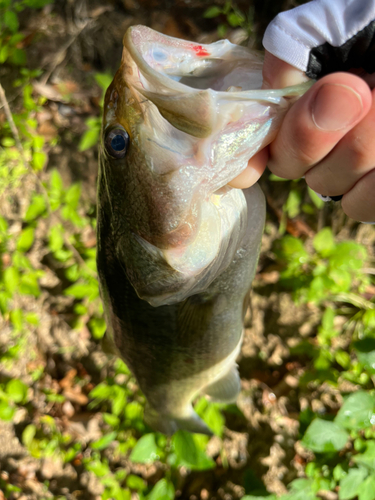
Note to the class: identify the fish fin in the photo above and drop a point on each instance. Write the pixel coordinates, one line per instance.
(193, 113)
(169, 425)
(194, 424)
(159, 422)
(108, 346)
(226, 389)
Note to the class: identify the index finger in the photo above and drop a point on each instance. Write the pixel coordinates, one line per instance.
(278, 74)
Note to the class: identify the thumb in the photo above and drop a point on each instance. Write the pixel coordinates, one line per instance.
(278, 74)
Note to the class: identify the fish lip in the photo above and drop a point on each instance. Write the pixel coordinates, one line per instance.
(147, 70)
(143, 66)
(166, 84)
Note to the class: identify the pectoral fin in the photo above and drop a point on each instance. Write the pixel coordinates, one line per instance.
(226, 389)
(108, 346)
(168, 425)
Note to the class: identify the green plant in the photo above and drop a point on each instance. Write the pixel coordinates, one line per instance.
(12, 394)
(233, 16)
(344, 449)
(10, 38)
(331, 275)
(91, 137)
(46, 440)
(333, 271)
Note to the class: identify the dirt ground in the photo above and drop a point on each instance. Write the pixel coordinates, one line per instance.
(71, 41)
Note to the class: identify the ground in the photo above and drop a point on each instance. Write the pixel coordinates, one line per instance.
(71, 42)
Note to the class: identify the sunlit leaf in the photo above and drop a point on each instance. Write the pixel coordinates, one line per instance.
(348, 255)
(103, 80)
(213, 11)
(36, 208)
(256, 497)
(111, 419)
(366, 491)
(318, 202)
(39, 160)
(16, 317)
(368, 318)
(28, 434)
(91, 137)
(189, 453)
(135, 483)
(6, 411)
(350, 484)
(145, 450)
(11, 279)
(100, 469)
(26, 239)
(104, 441)
(72, 195)
(56, 182)
(365, 350)
(79, 290)
(324, 242)
(235, 19)
(4, 53)
(357, 412)
(101, 391)
(56, 238)
(292, 204)
(32, 318)
(163, 490)
(214, 419)
(118, 399)
(301, 489)
(368, 457)
(29, 285)
(97, 327)
(10, 20)
(323, 436)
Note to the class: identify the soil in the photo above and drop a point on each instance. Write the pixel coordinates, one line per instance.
(71, 41)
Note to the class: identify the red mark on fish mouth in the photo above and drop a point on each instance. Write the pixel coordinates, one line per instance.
(200, 51)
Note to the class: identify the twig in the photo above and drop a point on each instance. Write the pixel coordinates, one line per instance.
(13, 98)
(16, 136)
(368, 270)
(10, 120)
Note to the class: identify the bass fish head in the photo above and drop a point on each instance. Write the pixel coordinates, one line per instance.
(147, 161)
(181, 120)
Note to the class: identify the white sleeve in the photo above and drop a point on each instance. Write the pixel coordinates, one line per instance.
(320, 26)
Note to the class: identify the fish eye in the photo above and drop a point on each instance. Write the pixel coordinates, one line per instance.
(116, 143)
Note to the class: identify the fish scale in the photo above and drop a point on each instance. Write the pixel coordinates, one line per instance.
(178, 247)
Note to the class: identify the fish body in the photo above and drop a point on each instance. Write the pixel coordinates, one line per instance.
(178, 247)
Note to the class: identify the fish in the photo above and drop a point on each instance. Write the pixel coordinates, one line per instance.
(177, 247)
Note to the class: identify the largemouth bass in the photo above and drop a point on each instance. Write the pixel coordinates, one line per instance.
(178, 247)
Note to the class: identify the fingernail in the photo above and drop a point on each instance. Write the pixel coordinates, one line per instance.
(284, 79)
(336, 107)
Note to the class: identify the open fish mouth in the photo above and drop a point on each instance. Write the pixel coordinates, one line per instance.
(198, 87)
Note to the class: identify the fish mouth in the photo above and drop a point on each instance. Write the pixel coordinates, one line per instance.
(190, 82)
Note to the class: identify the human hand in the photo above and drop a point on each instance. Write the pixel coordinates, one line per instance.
(326, 136)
